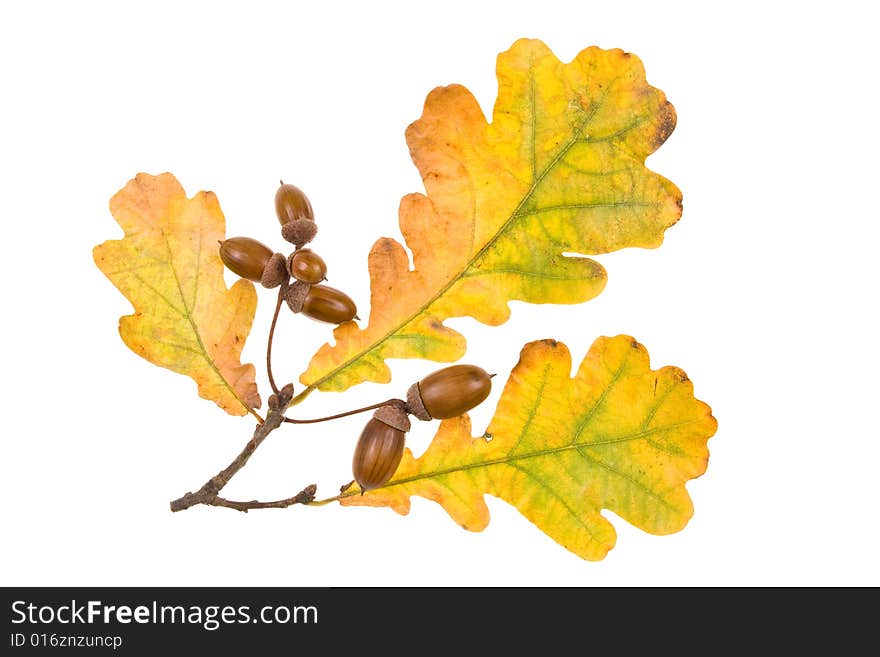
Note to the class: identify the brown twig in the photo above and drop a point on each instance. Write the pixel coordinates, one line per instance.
(208, 493)
(305, 496)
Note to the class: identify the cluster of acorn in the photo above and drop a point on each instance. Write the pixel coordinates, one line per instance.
(446, 393)
(253, 260)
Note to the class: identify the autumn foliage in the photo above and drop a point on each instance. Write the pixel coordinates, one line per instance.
(168, 266)
(559, 170)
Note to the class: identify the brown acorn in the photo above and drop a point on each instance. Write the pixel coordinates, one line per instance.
(307, 266)
(449, 392)
(377, 454)
(327, 304)
(291, 204)
(253, 260)
(245, 256)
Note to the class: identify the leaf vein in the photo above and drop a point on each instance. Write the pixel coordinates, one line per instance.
(585, 422)
(533, 120)
(521, 272)
(590, 206)
(533, 411)
(196, 331)
(623, 475)
(622, 131)
(572, 512)
(161, 296)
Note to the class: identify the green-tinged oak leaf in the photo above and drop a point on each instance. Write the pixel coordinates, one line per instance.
(560, 169)
(617, 436)
(169, 268)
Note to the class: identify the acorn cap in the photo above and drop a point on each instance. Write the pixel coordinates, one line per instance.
(275, 271)
(296, 294)
(415, 405)
(393, 416)
(299, 232)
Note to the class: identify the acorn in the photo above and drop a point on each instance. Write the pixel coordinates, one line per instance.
(307, 266)
(449, 392)
(291, 204)
(295, 213)
(327, 304)
(253, 260)
(380, 448)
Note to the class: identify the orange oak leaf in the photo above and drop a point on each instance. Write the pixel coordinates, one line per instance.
(559, 170)
(168, 266)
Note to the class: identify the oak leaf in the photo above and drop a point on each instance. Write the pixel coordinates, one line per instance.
(617, 436)
(168, 266)
(560, 169)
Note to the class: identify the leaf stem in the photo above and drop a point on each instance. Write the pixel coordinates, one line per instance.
(301, 397)
(387, 402)
(330, 500)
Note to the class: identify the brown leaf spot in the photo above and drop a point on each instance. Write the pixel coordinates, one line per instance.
(667, 125)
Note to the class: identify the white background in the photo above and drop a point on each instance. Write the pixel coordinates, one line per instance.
(763, 293)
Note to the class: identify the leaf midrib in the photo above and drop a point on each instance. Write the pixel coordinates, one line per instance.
(507, 458)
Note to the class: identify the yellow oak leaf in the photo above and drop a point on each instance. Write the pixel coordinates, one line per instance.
(617, 436)
(168, 265)
(560, 169)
